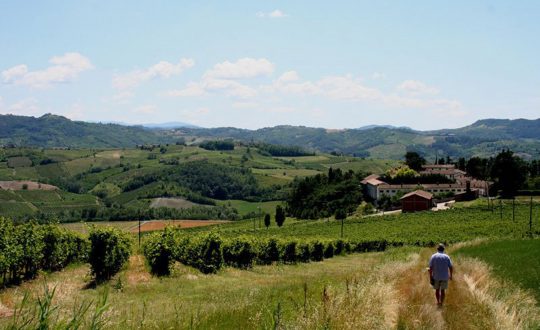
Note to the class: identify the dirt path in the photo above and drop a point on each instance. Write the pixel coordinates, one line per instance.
(475, 300)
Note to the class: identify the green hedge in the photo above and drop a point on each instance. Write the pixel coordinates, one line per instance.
(28, 248)
(109, 250)
(209, 252)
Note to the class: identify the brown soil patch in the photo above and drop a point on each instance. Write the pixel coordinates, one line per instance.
(31, 185)
(5, 312)
(137, 273)
(161, 224)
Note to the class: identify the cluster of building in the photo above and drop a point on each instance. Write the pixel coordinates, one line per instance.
(464, 187)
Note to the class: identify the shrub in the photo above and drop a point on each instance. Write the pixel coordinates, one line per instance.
(30, 238)
(204, 252)
(317, 251)
(109, 251)
(288, 252)
(29, 247)
(268, 251)
(339, 247)
(56, 248)
(158, 250)
(239, 252)
(328, 250)
(304, 252)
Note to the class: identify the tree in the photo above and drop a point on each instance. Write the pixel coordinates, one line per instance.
(508, 171)
(267, 220)
(280, 216)
(414, 160)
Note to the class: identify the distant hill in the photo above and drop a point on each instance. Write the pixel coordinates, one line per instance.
(483, 138)
(57, 131)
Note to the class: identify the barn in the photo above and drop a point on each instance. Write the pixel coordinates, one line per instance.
(418, 200)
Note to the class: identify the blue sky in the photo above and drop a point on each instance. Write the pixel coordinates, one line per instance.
(252, 64)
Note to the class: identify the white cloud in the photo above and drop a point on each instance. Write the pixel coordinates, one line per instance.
(25, 107)
(417, 87)
(289, 76)
(273, 14)
(162, 69)
(146, 109)
(65, 68)
(348, 88)
(207, 85)
(242, 68)
(192, 89)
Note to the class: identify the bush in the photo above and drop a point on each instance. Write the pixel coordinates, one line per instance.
(288, 252)
(339, 247)
(239, 252)
(268, 251)
(30, 238)
(29, 247)
(204, 252)
(109, 251)
(304, 252)
(317, 251)
(328, 250)
(159, 251)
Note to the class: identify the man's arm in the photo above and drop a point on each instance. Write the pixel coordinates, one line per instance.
(450, 267)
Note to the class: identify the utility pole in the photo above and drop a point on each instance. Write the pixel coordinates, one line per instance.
(139, 232)
(530, 217)
(514, 209)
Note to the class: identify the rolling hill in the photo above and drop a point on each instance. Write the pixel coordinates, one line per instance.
(483, 138)
(57, 131)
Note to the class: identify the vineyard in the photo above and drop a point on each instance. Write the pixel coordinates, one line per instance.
(29, 248)
(208, 252)
(422, 228)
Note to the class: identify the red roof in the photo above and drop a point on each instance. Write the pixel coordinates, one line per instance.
(421, 193)
(369, 177)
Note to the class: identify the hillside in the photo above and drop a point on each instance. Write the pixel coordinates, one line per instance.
(124, 184)
(483, 138)
(57, 131)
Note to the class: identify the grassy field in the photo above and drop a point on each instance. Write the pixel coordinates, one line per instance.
(264, 297)
(514, 260)
(244, 207)
(384, 290)
(454, 225)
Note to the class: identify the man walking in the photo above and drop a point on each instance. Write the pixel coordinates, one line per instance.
(440, 271)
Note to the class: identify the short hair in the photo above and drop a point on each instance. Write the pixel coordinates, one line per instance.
(440, 248)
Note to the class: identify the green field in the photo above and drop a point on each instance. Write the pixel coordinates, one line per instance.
(423, 228)
(513, 260)
(244, 207)
(104, 173)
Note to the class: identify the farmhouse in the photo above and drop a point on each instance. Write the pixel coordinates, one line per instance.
(418, 200)
(375, 188)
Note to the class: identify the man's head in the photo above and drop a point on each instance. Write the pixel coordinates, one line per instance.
(440, 247)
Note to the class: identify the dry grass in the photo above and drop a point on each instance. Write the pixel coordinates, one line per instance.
(475, 300)
(368, 291)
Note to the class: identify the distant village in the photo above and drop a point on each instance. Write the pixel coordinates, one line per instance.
(420, 196)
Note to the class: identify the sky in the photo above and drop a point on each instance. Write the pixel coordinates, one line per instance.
(252, 64)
